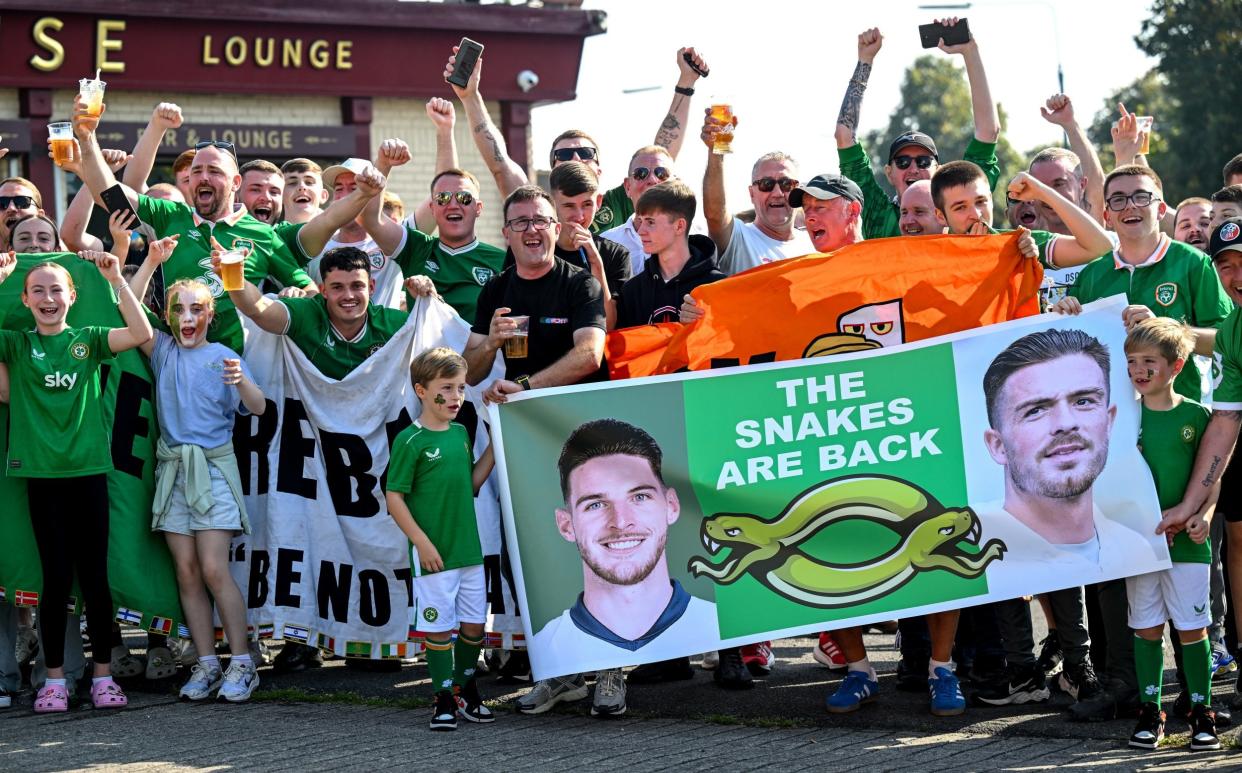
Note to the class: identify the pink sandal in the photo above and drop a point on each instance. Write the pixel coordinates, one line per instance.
(108, 695)
(51, 698)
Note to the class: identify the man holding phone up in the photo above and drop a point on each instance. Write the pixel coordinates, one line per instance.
(912, 156)
(214, 214)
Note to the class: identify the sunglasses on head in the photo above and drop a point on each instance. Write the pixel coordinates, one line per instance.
(20, 202)
(464, 198)
(641, 173)
(569, 154)
(228, 147)
(903, 162)
(766, 184)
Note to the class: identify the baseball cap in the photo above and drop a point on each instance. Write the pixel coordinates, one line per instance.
(913, 138)
(1227, 236)
(824, 187)
(353, 165)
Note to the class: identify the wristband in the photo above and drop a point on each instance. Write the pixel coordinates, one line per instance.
(120, 287)
(686, 90)
(523, 381)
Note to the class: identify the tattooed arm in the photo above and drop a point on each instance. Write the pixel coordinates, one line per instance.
(507, 173)
(1214, 452)
(673, 128)
(869, 43)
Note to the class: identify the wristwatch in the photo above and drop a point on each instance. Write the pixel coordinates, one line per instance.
(523, 381)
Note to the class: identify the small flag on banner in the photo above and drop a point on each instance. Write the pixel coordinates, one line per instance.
(162, 625)
(26, 598)
(129, 616)
(267, 631)
(326, 642)
(395, 650)
(297, 633)
(182, 632)
(357, 649)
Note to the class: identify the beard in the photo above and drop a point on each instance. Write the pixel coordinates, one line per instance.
(629, 572)
(1028, 477)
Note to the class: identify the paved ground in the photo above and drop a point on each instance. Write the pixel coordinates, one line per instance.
(336, 718)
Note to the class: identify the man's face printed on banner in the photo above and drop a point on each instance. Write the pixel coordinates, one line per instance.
(879, 322)
(618, 514)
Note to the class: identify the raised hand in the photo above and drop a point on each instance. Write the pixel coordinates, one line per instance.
(120, 227)
(71, 164)
(115, 159)
(442, 113)
(713, 126)
(371, 181)
(8, 262)
(162, 249)
(869, 44)
(1024, 187)
(84, 122)
(106, 262)
(687, 75)
(1058, 110)
(472, 83)
(166, 115)
(392, 153)
(960, 48)
(231, 371)
(1126, 139)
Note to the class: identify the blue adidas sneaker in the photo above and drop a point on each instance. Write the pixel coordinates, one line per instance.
(946, 694)
(856, 689)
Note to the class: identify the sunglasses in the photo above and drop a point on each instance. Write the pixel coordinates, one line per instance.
(228, 147)
(20, 202)
(766, 184)
(641, 173)
(464, 198)
(903, 162)
(569, 154)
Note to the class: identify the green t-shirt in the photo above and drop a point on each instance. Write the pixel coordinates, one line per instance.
(56, 427)
(881, 215)
(434, 470)
(311, 330)
(1177, 282)
(1227, 389)
(1169, 440)
(269, 256)
(287, 233)
(614, 210)
(458, 274)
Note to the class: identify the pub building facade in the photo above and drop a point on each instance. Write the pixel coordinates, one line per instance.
(322, 79)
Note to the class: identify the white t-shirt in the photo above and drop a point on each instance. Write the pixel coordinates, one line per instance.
(627, 236)
(750, 247)
(386, 273)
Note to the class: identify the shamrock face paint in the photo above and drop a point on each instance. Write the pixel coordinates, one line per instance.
(442, 399)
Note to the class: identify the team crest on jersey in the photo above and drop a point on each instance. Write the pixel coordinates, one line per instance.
(1188, 433)
(431, 614)
(377, 259)
(432, 267)
(244, 244)
(79, 351)
(375, 349)
(482, 274)
(1166, 293)
(604, 216)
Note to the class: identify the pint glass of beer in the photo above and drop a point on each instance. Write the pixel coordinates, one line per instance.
(1145, 124)
(92, 93)
(516, 347)
(61, 136)
(232, 269)
(723, 111)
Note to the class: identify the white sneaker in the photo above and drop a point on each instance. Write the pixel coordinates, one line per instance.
(609, 694)
(549, 692)
(203, 681)
(239, 682)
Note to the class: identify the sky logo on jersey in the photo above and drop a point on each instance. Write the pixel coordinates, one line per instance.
(433, 455)
(60, 380)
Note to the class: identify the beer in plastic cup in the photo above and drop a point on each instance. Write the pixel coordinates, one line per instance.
(723, 111)
(92, 93)
(61, 135)
(516, 347)
(232, 270)
(1145, 124)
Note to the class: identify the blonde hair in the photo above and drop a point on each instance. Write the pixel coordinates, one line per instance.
(440, 362)
(1173, 339)
(50, 266)
(195, 285)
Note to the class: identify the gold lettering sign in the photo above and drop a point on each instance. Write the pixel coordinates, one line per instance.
(104, 43)
(41, 32)
(286, 53)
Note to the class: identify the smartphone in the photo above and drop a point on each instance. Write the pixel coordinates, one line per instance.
(115, 200)
(953, 36)
(468, 53)
(690, 61)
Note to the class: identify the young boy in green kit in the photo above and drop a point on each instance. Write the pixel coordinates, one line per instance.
(1169, 435)
(431, 462)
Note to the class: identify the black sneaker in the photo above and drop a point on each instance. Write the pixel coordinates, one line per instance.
(1050, 655)
(514, 669)
(732, 674)
(1203, 729)
(444, 716)
(1150, 728)
(1023, 685)
(674, 670)
(470, 704)
(912, 675)
(1080, 682)
(1113, 702)
(295, 657)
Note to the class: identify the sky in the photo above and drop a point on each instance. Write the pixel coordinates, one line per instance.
(785, 64)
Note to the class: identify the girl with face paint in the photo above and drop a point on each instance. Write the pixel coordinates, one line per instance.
(200, 386)
(60, 443)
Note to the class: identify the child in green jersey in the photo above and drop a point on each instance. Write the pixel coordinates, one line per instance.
(59, 442)
(1172, 425)
(431, 463)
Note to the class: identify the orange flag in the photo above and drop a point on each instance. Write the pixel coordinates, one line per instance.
(868, 295)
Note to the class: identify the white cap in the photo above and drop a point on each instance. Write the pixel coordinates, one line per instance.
(352, 165)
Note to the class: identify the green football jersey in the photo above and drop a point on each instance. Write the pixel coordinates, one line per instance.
(458, 273)
(1227, 389)
(1169, 440)
(434, 470)
(881, 215)
(1178, 281)
(311, 330)
(192, 259)
(56, 427)
(614, 209)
